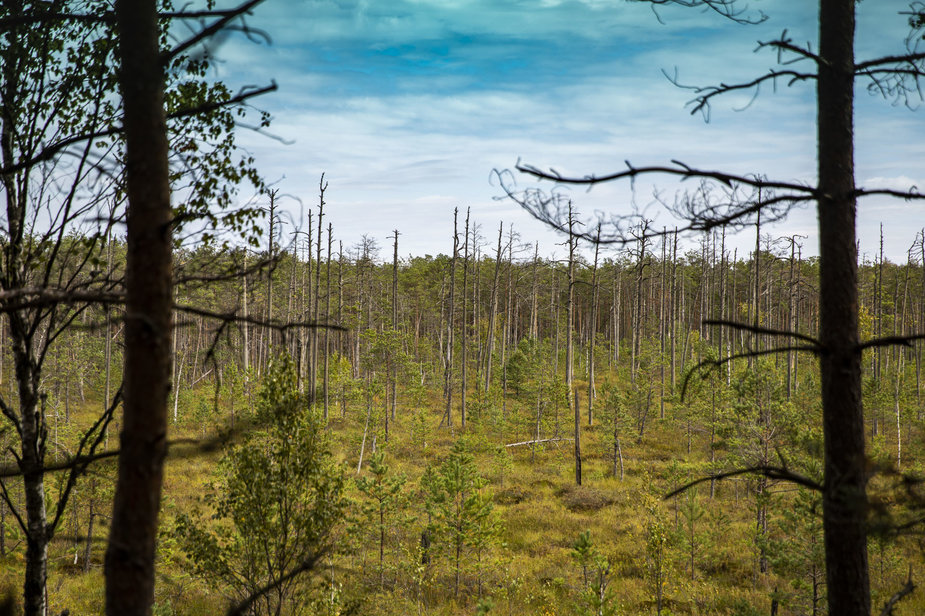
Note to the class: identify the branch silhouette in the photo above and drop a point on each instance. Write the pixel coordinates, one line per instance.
(771, 472)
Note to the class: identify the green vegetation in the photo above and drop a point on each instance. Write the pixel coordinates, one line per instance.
(445, 520)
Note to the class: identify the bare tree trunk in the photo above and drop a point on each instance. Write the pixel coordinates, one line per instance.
(534, 316)
(450, 323)
(570, 309)
(592, 332)
(88, 550)
(464, 332)
(674, 305)
(327, 318)
(33, 438)
(492, 315)
(661, 327)
(244, 325)
(313, 378)
(133, 534)
(638, 320)
(506, 331)
(844, 493)
(393, 372)
(268, 333)
(305, 338)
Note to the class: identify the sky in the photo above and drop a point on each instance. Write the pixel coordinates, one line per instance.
(407, 106)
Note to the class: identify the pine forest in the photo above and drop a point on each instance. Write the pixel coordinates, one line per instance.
(210, 407)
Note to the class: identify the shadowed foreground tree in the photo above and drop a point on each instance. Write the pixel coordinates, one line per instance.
(130, 553)
(148, 312)
(735, 200)
(62, 155)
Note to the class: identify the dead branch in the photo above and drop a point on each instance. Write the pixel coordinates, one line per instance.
(538, 441)
(712, 364)
(220, 24)
(703, 95)
(761, 330)
(885, 341)
(679, 169)
(725, 8)
(771, 472)
(243, 607)
(52, 150)
(898, 596)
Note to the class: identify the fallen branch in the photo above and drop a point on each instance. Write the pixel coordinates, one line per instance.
(536, 442)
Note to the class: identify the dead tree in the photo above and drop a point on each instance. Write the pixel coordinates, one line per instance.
(733, 200)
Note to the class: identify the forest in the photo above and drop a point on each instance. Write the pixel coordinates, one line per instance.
(209, 409)
(443, 427)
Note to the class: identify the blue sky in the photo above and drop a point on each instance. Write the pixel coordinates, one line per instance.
(408, 105)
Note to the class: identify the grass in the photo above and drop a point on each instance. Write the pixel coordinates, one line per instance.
(532, 570)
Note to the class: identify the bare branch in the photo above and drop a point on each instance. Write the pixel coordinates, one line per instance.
(771, 472)
(862, 67)
(680, 169)
(908, 195)
(10, 414)
(898, 596)
(755, 329)
(243, 607)
(712, 364)
(8, 23)
(52, 150)
(886, 341)
(726, 8)
(703, 95)
(12, 507)
(784, 43)
(217, 26)
(232, 317)
(91, 440)
(196, 447)
(721, 200)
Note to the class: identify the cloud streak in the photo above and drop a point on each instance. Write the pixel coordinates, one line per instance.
(408, 105)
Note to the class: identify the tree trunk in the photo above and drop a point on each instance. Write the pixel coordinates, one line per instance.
(592, 327)
(148, 280)
(450, 323)
(313, 375)
(464, 332)
(492, 315)
(393, 365)
(327, 318)
(844, 491)
(32, 453)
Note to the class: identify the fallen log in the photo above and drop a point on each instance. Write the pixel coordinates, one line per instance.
(537, 442)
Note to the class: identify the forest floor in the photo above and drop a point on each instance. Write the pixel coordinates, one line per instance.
(690, 554)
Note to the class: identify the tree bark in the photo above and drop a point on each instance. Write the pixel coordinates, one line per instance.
(844, 491)
(464, 332)
(327, 318)
(131, 549)
(492, 315)
(450, 326)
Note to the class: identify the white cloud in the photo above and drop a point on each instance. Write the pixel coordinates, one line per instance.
(899, 183)
(407, 106)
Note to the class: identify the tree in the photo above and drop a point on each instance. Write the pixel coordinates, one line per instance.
(738, 200)
(277, 499)
(149, 303)
(64, 144)
(799, 555)
(596, 597)
(42, 268)
(385, 497)
(460, 507)
(657, 559)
